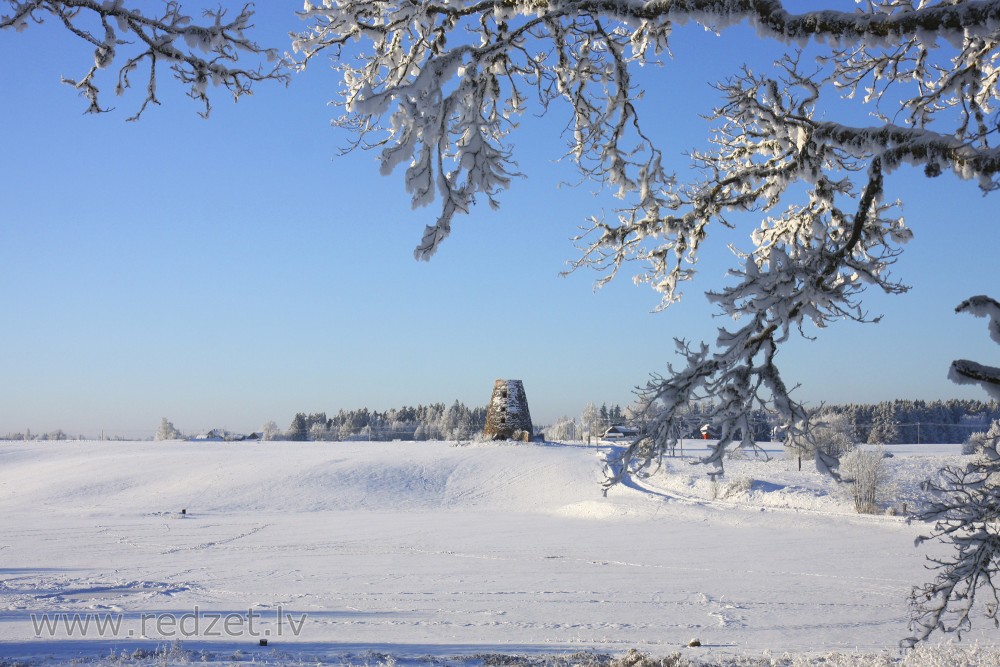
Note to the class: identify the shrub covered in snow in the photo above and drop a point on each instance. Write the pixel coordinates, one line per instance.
(866, 473)
(978, 440)
(834, 434)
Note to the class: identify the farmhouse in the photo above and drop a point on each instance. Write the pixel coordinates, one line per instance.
(619, 432)
(222, 435)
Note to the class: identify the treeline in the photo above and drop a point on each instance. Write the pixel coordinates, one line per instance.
(762, 423)
(944, 422)
(423, 422)
(54, 435)
(890, 422)
(60, 435)
(594, 422)
(899, 421)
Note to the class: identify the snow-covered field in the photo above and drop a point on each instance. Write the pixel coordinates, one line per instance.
(374, 552)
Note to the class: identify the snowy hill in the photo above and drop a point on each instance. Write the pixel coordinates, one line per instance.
(330, 550)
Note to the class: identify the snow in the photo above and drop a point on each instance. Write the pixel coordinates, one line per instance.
(438, 549)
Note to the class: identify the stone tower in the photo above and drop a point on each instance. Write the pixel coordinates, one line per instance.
(507, 417)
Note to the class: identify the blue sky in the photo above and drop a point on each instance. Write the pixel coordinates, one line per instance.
(237, 270)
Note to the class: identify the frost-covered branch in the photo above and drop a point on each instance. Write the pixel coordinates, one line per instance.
(198, 54)
(440, 87)
(809, 264)
(967, 516)
(964, 371)
(432, 76)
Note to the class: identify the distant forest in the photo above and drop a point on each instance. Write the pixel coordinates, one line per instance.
(888, 422)
(423, 422)
(951, 421)
(902, 421)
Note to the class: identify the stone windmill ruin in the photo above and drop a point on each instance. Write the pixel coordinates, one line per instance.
(507, 417)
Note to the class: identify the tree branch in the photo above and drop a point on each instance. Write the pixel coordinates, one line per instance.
(209, 55)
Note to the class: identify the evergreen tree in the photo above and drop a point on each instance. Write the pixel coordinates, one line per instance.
(298, 431)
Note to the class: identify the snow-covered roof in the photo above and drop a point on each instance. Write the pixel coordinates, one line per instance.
(620, 429)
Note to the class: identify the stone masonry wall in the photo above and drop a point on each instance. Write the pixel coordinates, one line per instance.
(507, 417)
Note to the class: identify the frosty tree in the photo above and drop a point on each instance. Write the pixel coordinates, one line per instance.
(439, 87)
(966, 513)
(833, 432)
(143, 41)
(167, 431)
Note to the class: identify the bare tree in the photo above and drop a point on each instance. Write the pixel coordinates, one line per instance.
(966, 514)
(440, 86)
(198, 54)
